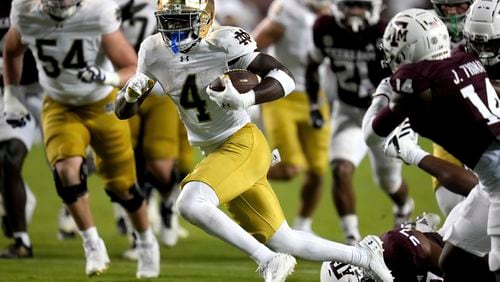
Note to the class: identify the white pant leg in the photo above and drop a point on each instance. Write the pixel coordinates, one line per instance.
(347, 140)
(308, 246)
(469, 229)
(25, 134)
(387, 171)
(447, 200)
(198, 203)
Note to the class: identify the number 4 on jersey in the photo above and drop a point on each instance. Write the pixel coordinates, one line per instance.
(190, 99)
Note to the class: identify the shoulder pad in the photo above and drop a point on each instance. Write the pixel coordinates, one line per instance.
(145, 55)
(285, 13)
(234, 41)
(110, 17)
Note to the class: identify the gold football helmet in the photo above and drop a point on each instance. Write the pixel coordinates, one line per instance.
(182, 23)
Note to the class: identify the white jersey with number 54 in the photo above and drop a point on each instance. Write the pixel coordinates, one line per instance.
(184, 76)
(62, 48)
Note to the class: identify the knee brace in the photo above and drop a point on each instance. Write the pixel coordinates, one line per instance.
(132, 204)
(70, 194)
(161, 186)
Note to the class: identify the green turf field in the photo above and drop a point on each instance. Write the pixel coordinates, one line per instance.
(199, 257)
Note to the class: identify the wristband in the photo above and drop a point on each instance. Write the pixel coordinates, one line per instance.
(248, 98)
(112, 78)
(417, 156)
(287, 82)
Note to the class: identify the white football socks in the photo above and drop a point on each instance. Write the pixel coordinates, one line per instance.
(89, 234)
(303, 224)
(311, 247)
(25, 238)
(350, 226)
(146, 236)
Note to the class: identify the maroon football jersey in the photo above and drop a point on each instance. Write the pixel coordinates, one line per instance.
(355, 58)
(493, 71)
(404, 255)
(462, 112)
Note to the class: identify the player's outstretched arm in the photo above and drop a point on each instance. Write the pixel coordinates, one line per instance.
(267, 33)
(130, 97)
(402, 144)
(453, 177)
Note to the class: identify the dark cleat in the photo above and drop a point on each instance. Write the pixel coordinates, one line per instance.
(17, 251)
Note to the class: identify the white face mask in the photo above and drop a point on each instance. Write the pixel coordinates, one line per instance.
(60, 9)
(356, 23)
(64, 13)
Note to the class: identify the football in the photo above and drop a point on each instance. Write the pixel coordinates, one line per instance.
(243, 81)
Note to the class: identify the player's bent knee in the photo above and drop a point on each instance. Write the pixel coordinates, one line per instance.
(162, 185)
(70, 194)
(194, 198)
(14, 151)
(283, 172)
(131, 203)
(342, 169)
(390, 185)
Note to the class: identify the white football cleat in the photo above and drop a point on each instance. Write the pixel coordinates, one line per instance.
(169, 234)
(376, 269)
(427, 222)
(30, 203)
(132, 253)
(277, 268)
(154, 216)
(182, 232)
(67, 226)
(148, 260)
(123, 224)
(403, 214)
(97, 257)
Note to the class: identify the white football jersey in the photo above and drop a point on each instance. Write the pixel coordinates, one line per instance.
(292, 48)
(143, 20)
(184, 76)
(62, 48)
